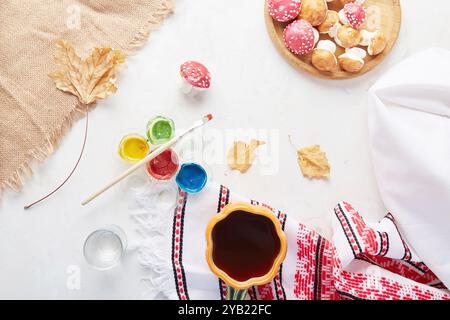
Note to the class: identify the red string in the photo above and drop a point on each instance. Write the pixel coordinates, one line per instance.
(74, 168)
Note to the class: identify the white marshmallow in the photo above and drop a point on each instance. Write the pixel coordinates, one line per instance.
(366, 37)
(343, 17)
(316, 35)
(355, 54)
(327, 45)
(333, 31)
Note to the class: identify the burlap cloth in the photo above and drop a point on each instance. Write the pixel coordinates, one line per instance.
(34, 115)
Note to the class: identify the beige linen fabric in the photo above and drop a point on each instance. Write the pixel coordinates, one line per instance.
(33, 114)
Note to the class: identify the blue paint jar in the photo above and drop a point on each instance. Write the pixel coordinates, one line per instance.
(191, 178)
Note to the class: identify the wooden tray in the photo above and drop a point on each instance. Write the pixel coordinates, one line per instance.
(382, 14)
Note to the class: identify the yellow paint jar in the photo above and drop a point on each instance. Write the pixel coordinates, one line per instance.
(133, 147)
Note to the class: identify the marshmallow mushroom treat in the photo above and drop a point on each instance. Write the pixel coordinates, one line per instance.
(374, 41)
(314, 11)
(300, 37)
(195, 77)
(284, 10)
(323, 57)
(353, 14)
(347, 37)
(352, 60)
(330, 24)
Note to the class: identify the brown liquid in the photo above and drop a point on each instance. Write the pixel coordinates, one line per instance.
(245, 245)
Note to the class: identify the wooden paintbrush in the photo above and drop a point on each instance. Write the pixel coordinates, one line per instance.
(149, 157)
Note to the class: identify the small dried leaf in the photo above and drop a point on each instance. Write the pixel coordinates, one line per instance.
(90, 79)
(313, 162)
(241, 155)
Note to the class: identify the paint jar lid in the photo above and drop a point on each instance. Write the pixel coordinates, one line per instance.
(160, 129)
(191, 177)
(133, 147)
(164, 166)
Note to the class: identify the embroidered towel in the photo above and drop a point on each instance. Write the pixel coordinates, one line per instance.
(364, 261)
(409, 126)
(34, 115)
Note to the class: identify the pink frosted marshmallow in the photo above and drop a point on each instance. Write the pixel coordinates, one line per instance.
(300, 37)
(284, 10)
(195, 77)
(353, 14)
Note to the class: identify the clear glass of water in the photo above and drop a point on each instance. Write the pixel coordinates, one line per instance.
(104, 248)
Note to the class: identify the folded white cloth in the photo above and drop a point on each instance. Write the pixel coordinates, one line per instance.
(365, 261)
(409, 126)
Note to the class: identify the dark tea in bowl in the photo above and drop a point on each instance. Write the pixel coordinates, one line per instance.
(245, 247)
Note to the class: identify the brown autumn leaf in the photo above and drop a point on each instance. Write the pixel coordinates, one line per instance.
(313, 162)
(90, 79)
(241, 155)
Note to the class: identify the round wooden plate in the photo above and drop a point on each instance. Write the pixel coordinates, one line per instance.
(382, 14)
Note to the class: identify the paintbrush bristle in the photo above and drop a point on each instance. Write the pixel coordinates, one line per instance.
(207, 117)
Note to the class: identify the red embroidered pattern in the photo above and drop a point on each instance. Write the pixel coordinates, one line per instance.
(411, 270)
(320, 275)
(349, 233)
(272, 291)
(265, 292)
(384, 244)
(224, 196)
(328, 291)
(277, 280)
(177, 244)
(252, 293)
(364, 286)
(313, 277)
(304, 275)
(223, 289)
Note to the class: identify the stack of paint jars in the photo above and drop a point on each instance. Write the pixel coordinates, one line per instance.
(190, 177)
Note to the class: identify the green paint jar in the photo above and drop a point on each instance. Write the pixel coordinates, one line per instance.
(160, 129)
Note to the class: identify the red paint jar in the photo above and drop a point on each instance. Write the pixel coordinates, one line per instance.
(164, 166)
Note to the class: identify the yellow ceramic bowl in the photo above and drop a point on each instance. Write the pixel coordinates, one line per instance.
(268, 277)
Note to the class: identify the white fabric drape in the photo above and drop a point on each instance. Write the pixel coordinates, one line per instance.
(409, 128)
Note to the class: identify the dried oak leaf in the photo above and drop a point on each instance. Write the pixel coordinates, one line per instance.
(90, 79)
(313, 162)
(241, 155)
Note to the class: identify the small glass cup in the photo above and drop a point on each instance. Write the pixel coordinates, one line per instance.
(103, 248)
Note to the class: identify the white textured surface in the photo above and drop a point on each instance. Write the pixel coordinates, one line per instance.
(253, 87)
